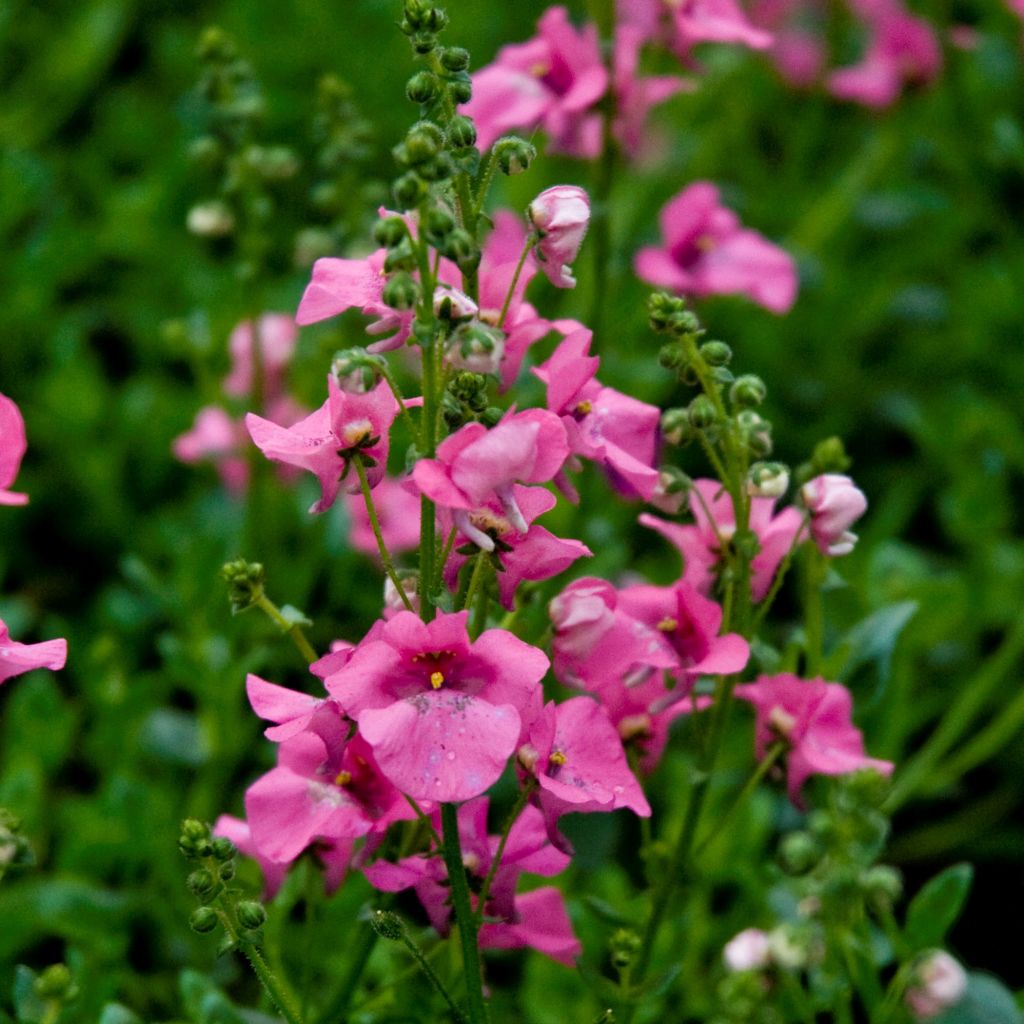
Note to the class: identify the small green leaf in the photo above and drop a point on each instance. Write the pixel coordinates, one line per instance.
(933, 911)
(294, 617)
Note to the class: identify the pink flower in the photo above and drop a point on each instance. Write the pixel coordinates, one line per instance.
(692, 22)
(278, 335)
(815, 719)
(552, 81)
(747, 951)
(601, 424)
(576, 755)
(441, 713)
(217, 436)
(345, 426)
(560, 216)
(12, 450)
(708, 252)
(536, 554)
(535, 920)
(475, 466)
(398, 510)
(835, 504)
(339, 284)
(902, 49)
(634, 96)
(292, 711)
(16, 658)
(701, 544)
(320, 789)
(939, 983)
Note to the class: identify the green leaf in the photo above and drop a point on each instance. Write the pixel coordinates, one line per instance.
(936, 907)
(873, 641)
(986, 1001)
(294, 617)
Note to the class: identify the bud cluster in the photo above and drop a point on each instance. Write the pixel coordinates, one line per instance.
(245, 582)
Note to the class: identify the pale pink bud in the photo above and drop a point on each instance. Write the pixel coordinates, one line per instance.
(560, 215)
(747, 951)
(393, 600)
(835, 504)
(940, 983)
(455, 304)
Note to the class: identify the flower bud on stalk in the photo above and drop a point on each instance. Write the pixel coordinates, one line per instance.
(767, 480)
(560, 216)
(514, 155)
(940, 983)
(835, 504)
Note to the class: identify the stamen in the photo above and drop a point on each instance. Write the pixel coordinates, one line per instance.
(557, 758)
(668, 625)
(343, 778)
(585, 407)
(437, 680)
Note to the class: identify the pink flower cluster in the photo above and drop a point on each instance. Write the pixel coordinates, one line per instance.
(17, 658)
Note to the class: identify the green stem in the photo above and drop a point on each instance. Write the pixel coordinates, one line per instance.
(337, 1008)
(293, 629)
(464, 916)
(814, 612)
(428, 971)
(517, 809)
(424, 820)
(486, 177)
(405, 414)
(474, 580)
(531, 241)
(371, 511)
(780, 576)
(270, 982)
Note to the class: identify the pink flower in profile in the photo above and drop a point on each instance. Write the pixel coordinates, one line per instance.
(398, 510)
(815, 719)
(475, 466)
(701, 544)
(693, 21)
(576, 755)
(602, 424)
(536, 554)
(535, 920)
(16, 658)
(341, 284)
(442, 714)
(560, 216)
(325, 442)
(320, 789)
(291, 710)
(707, 251)
(218, 437)
(634, 96)
(13, 446)
(277, 335)
(902, 49)
(552, 81)
(835, 504)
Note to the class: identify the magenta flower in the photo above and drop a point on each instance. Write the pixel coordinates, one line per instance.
(324, 443)
(291, 710)
(708, 252)
(536, 554)
(576, 755)
(835, 504)
(701, 544)
(535, 920)
(601, 424)
(13, 446)
(218, 437)
(441, 713)
(320, 789)
(398, 510)
(16, 658)
(278, 335)
(815, 719)
(634, 96)
(560, 216)
(692, 22)
(902, 49)
(475, 466)
(552, 81)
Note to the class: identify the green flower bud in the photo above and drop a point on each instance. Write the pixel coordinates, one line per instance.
(684, 322)
(245, 582)
(423, 141)
(661, 307)
(440, 224)
(675, 426)
(251, 915)
(438, 168)
(756, 433)
(624, 946)
(470, 389)
(767, 480)
(798, 853)
(389, 231)
(673, 357)
(356, 370)
(514, 155)
(423, 42)
(830, 457)
(422, 87)
(822, 826)
(387, 925)
(461, 248)
(437, 19)
(461, 91)
(401, 292)
(203, 920)
(702, 413)
(54, 982)
(201, 883)
(747, 392)
(491, 416)
(400, 257)
(226, 871)
(883, 886)
(455, 58)
(716, 353)
(461, 133)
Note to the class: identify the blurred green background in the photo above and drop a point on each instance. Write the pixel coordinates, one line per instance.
(905, 340)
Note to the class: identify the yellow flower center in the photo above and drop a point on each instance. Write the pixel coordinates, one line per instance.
(343, 778)
(668, 624)
(584, 407)
(557, 758)
(437, 680)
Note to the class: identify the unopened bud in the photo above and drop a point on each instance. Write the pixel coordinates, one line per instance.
(940, 982)
(461, 133)
(408, 190)
(675, 426)
(702, 413)
(455, 58)
(756, 433)
(476, 347)
(387, 925)
(747, 392)
(673, 357)
(356, 370)
(716, 353)
(798, 853)
(389, 231)
(203, 920)
(514, 155)
(245, 582)
(747, 951)
(201, 883)
(767, 480)
(461, 248)
(439, 225)
(423, 141)
(251, 915)
(460, 90)
(401, 292)
(213, 219)
(660, 308)
(54, 983)
(422, 87)
(672, 490)
(883, 886)
(438, 168)
(830, 456)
